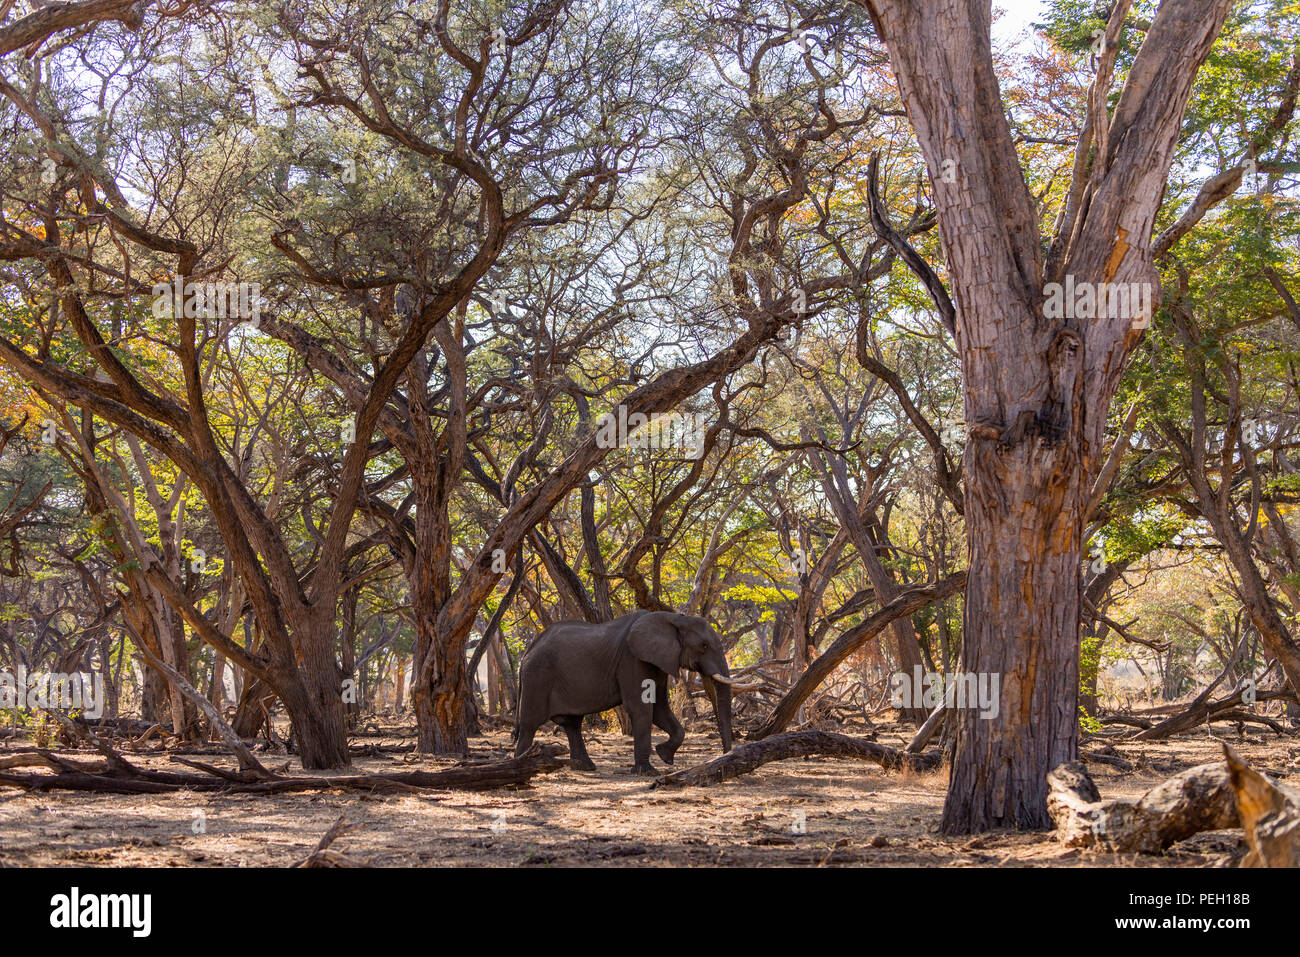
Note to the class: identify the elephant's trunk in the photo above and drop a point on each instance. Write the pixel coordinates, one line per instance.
(724, 717)
(719, 694)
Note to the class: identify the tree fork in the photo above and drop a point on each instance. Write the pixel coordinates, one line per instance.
(1036, 389)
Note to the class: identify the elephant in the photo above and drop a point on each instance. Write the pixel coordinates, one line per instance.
(576, 668)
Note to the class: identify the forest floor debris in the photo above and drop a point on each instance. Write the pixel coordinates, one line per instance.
(815, 810)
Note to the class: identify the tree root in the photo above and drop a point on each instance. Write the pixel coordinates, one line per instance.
(797, 744)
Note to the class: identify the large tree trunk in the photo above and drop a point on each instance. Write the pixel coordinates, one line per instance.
(439, 679)
(184, 716)
(438, 696)
(320, 726)
(249, 712)
(1037, 388)
(1021, 623)
(313, 695)
(153, 696)
(352, 708)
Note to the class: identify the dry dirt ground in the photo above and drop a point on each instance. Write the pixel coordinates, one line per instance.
(849, 813)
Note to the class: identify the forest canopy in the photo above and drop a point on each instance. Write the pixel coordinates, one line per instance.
(347, 346)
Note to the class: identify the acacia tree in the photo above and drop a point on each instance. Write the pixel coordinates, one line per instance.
(779, 147)
(1036, 389)
(87, 251)
(490, 116)
(1231, 452)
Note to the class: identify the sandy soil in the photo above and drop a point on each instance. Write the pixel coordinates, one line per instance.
(851, 814)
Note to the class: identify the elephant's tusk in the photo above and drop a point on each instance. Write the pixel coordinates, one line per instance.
(736, 685)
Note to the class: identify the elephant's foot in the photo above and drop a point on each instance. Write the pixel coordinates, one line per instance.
(644, 768)
(665, 752)
(582, 764)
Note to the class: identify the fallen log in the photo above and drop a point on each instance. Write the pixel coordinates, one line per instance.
(1246, 717)
(125, 778)
(1199, 799)
(1141, 723)
(1112, 760)
(127, 726)
(1202, 708)
(154, 731)
(908, 602)
(797, 744)
(233, 741)
(1208, 797)
(926, 731)
(43, 758)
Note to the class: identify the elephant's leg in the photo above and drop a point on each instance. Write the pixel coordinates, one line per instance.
(572, 724)
(667, 721)
(639, 714)
(525, 731)
(533, 709)
(527, 721)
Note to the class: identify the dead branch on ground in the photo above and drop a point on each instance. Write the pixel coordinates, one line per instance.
(119, 776)
(322, 856)
(1208, 797)
(797, 744)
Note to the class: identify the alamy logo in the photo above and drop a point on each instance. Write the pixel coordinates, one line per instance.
(208, 300)
(81, 691)
(662, 430)
(959, 690)
(1098, 300)
(74, 910)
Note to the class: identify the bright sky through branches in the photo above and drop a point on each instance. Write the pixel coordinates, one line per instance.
(1017, 15)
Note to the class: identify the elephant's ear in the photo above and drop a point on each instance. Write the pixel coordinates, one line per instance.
(654, 640)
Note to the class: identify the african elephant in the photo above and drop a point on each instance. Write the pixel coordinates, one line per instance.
(575, 668)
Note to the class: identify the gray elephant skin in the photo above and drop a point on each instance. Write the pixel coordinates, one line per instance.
(576, 668)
